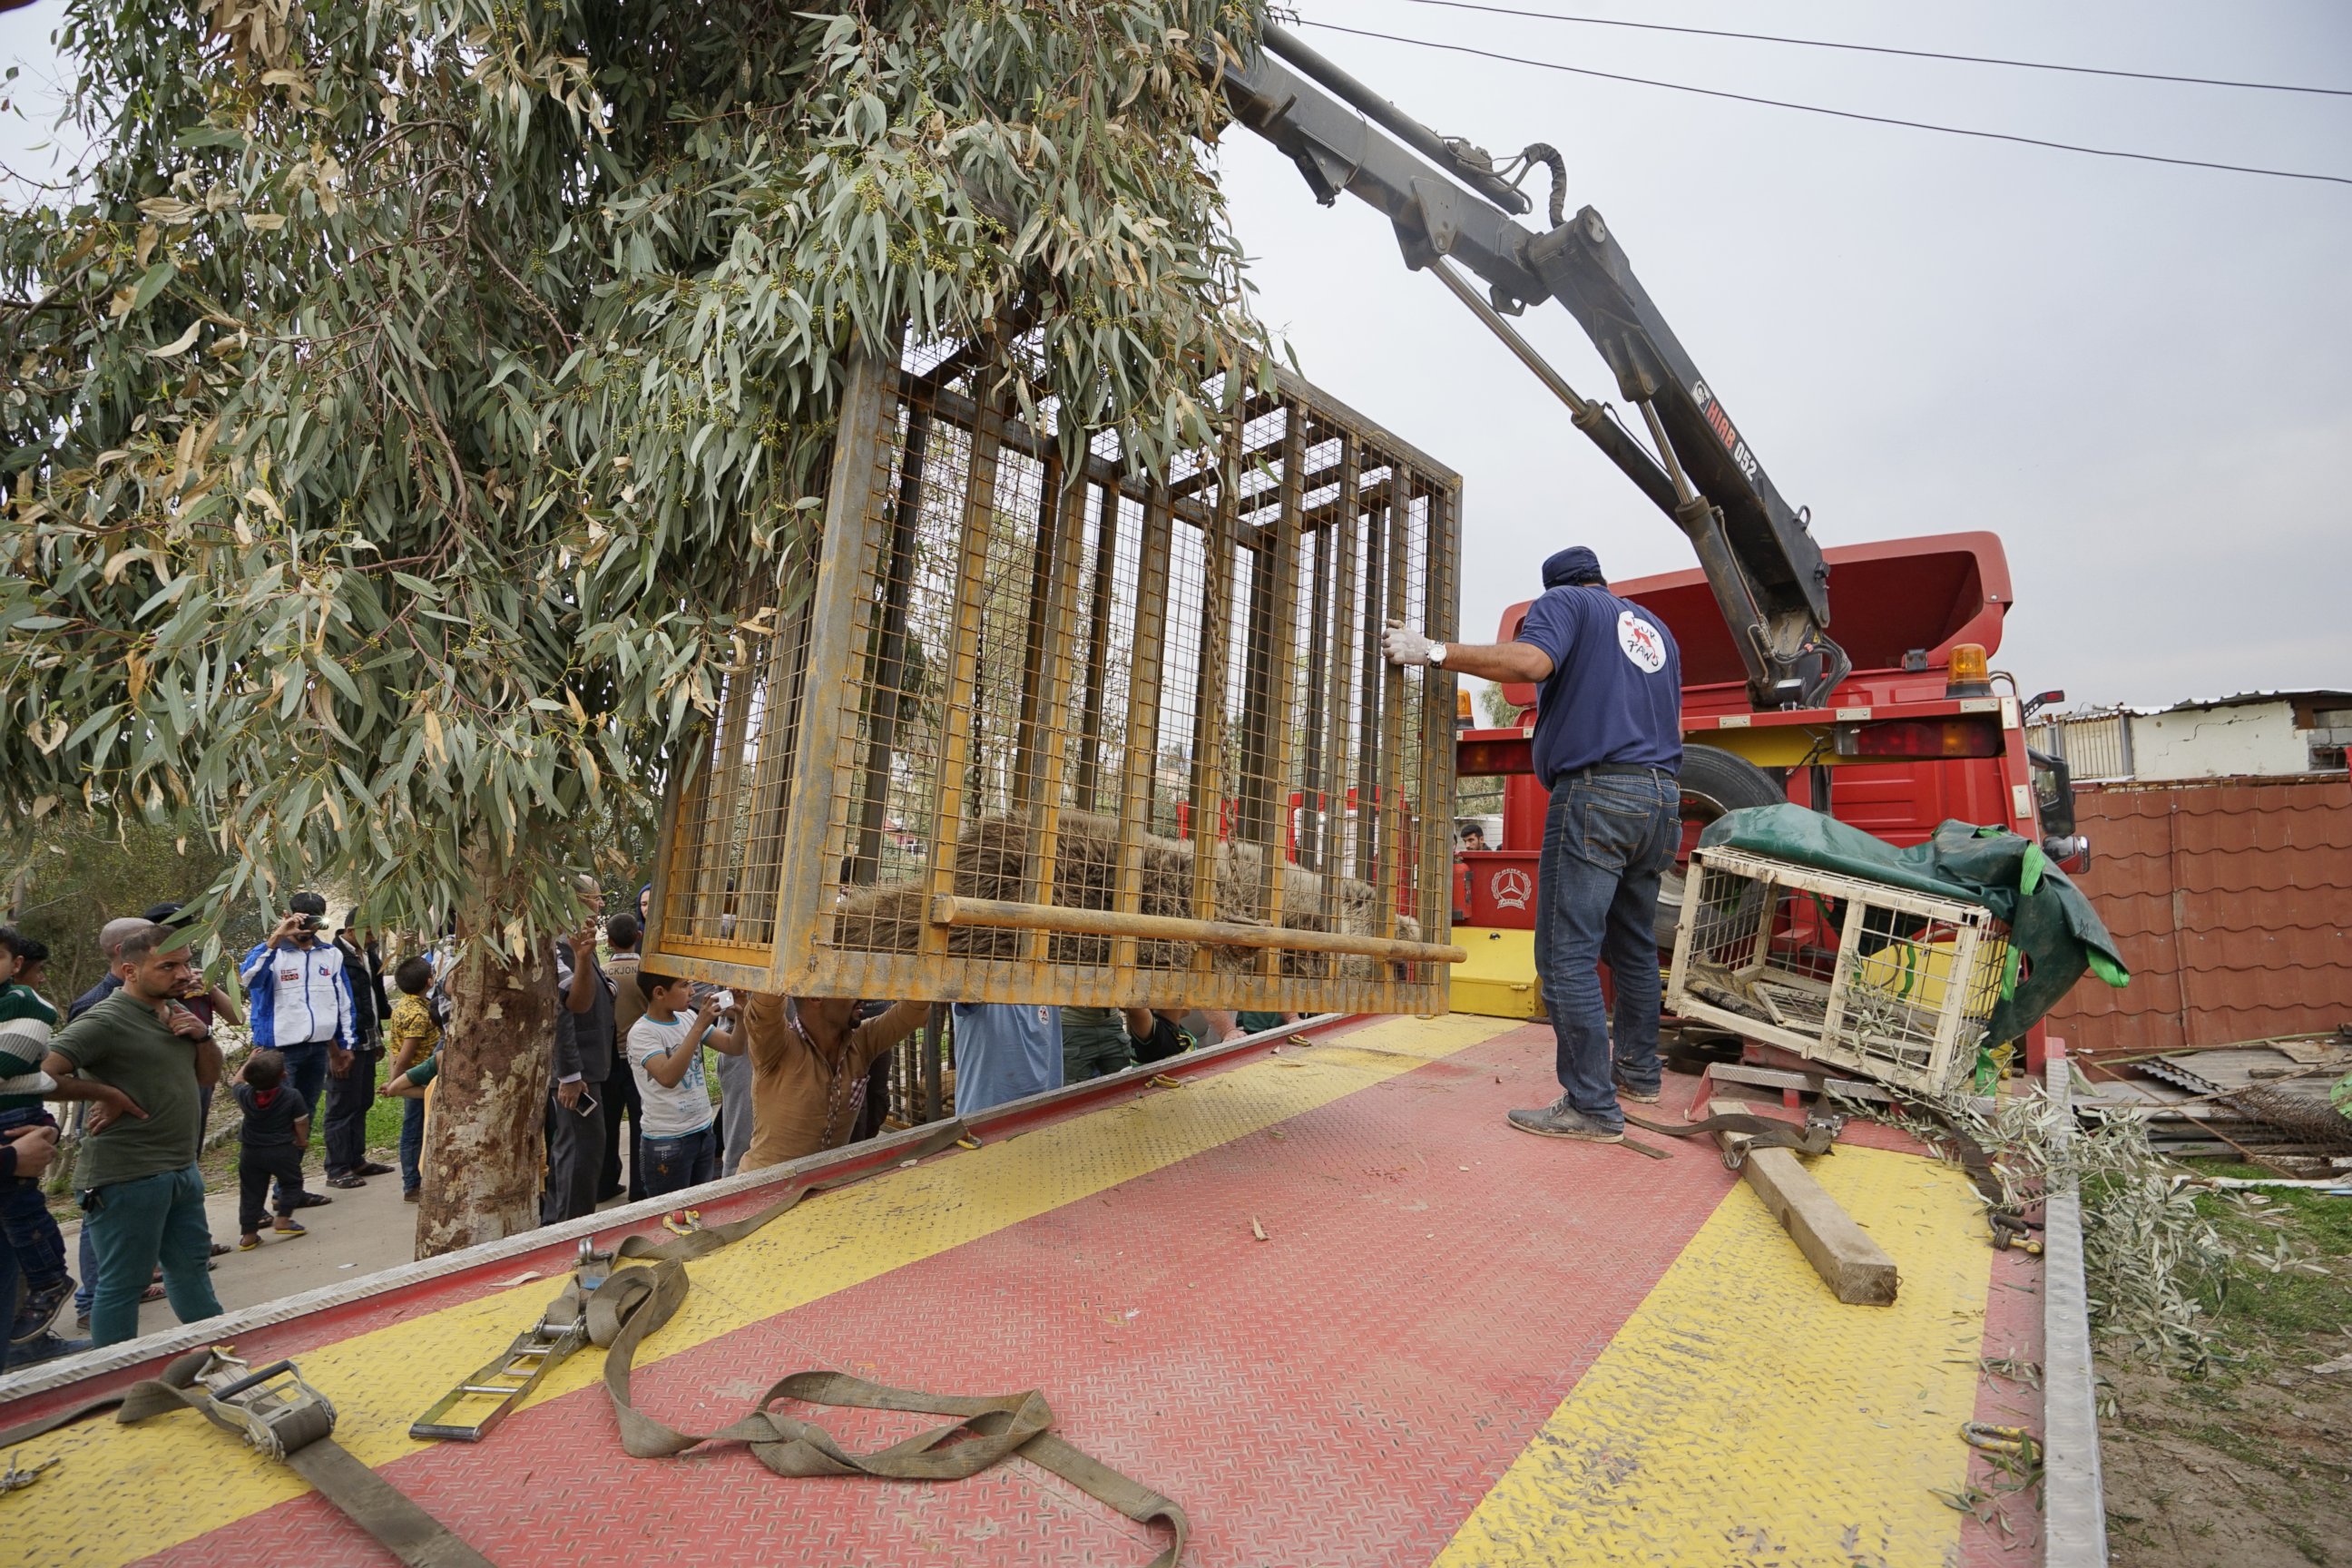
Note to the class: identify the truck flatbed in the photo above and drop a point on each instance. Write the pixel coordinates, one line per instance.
(1454, 1344)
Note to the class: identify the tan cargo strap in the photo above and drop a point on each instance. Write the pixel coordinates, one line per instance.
(1759, 1132)
(632, 1303)
(301, 1443)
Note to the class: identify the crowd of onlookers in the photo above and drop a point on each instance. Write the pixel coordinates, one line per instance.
(136, 1058)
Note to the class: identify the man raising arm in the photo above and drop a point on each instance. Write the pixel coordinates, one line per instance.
(583, 1060)
(1608, 747)
(1516, 661)
(300, 1003)
(809, 1057)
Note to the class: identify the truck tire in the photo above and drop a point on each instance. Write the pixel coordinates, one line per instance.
(1714, 782)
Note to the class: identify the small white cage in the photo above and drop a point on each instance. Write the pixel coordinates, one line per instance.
(1883, 981)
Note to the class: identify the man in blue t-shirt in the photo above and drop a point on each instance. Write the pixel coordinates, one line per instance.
(1608, 746)
(1004, 1051)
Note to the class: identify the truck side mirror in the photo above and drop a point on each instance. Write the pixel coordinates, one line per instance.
(2053, 801)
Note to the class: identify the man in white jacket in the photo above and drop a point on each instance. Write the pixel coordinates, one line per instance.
(301, 1006)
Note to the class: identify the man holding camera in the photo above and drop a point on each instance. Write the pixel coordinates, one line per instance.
(301, 1006)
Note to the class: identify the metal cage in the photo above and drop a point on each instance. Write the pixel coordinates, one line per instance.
(1011, 698)
(1894, 984)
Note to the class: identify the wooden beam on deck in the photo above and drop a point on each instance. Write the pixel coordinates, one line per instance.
(1855, 1268)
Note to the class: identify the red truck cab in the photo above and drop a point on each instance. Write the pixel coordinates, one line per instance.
(1912, 737)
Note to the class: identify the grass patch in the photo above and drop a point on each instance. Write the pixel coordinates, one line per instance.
(2246, 1448)
(2286, 1284)
(2304, 1542)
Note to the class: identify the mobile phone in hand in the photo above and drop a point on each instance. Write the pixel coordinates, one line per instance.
(586, 1105)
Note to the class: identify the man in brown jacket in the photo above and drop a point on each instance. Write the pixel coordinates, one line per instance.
(809, 1060)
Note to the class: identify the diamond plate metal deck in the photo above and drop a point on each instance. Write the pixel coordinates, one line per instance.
(1434, 1292)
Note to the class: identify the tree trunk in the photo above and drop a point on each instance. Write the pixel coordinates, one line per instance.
(485, 1149)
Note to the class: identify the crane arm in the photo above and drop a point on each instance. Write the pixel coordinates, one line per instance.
(1449, 205)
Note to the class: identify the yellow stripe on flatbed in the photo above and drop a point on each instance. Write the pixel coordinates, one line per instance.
(124, 1492)
(1744, 1415)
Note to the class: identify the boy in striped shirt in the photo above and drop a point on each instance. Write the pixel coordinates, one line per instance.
(33, 1243)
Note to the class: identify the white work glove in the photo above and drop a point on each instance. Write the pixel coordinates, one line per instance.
(1404, 646)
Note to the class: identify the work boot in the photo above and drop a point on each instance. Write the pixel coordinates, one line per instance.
(1625, 1090)
(1562, 1119)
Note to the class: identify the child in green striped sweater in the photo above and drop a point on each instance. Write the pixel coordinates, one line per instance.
(28, 1237)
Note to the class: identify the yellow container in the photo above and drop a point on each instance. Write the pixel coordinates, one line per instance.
(1499, 979)
(1920, 973)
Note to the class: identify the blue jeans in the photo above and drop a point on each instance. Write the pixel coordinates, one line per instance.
(1607, 836)
(29, 1238)
(33, 1239)
(86, 1260)
(306, 1069)
(673, 1165)
(9, 1295)
(137, 1224)
(412, 1144)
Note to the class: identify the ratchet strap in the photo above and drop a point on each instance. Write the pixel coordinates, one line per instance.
(625, 1306)
(2004, 1213)
(372, 1503)
(984, 1430)
(1761, 1132)
(632, 1302)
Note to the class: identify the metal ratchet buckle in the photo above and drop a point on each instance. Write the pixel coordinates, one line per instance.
(280, 1413)
(591, 1267)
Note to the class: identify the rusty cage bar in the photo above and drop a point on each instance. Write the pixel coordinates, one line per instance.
(1006, 702)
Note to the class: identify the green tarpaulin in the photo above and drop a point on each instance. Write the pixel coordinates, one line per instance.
(2050, 923)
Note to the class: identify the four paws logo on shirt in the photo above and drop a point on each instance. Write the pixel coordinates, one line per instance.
(1641, 642)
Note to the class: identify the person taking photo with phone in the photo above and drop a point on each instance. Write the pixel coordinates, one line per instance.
(299, 1001)
(681, 1146)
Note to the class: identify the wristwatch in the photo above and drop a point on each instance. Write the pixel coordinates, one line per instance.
(1436, 654)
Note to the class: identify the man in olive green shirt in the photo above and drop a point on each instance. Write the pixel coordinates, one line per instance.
(145, 1062)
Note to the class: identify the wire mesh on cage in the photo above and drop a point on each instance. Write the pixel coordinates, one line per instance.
(1884, 981)
(1035, 725)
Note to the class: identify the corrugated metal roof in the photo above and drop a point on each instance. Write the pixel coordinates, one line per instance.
(2315, 695)
(2231, 900)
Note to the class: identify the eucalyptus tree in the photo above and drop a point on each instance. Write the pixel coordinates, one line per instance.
(406, 418)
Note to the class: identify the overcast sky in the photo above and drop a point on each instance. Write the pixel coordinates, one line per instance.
(2140, 376)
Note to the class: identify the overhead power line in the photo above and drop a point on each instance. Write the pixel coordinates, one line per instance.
(1887, 50)
(1833, 114)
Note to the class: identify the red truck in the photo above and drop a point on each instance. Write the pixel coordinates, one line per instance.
(1919, 731)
